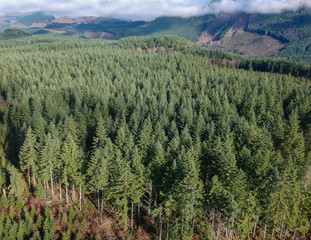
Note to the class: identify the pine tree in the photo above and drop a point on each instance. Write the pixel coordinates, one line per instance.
(98, 172)
(17, 183)
(190, 193)
(49, 157)
(138, 182)
(71, 158)
(3, 180)
(38, 125)
(100, 134)
(120, 189)
(28, 156)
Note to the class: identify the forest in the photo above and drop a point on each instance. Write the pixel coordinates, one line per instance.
(151, 138)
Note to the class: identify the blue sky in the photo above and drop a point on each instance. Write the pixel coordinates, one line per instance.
(145, 9)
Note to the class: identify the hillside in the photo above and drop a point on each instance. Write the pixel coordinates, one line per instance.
(285, 35)
(150, 138)
(39, 19)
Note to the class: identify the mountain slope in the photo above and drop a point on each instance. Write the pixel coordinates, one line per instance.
(286, 35)
(37, 18)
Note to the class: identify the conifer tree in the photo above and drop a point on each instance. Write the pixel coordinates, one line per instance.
(70, 158)
(190, 193)
(17, 183)
(28, 156)
(49, 157)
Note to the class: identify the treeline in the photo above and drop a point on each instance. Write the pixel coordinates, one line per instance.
(194, 148)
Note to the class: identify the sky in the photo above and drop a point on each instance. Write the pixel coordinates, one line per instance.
(146, 9)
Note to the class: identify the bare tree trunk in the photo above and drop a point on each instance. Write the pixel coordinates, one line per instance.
(52, 186)
(182, 223)
(218, 233)
(295, 233)
(231, 230)
(160, 225)
(212, 229)
(254, 231)
(193, 222)
(34, 179)
(80, 199)
(73, 193)
(285, 234)
(47, 186)
(97, 191)
(44, 184)
(132, 214)
(272, 234)
(67, 200)
(282, 226)
(264, 233)
(29, 176)
(138, 211)
(60, 191)
(4, 192)
(102, 210)
(167, 230)
(149, 190)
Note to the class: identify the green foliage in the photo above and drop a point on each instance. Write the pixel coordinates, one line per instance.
(12, 34)
(196, 143)
(38, 17)
(17, 183)
(40, 192)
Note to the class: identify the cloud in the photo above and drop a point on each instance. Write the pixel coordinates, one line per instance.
(259, 6)
(146, 9)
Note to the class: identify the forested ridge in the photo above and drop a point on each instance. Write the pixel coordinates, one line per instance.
(151, 138)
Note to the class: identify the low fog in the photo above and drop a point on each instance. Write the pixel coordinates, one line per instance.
(146, 9)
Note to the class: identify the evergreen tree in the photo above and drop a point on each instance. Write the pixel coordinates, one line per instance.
(28, 156)
(49, 157)
(17, 183)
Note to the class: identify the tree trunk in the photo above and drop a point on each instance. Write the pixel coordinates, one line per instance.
(44, 184)
(4, 192)
(29, 177)
(101, 211)
(132, 216)
(282, 226)
(97, 191)
(212, 228)
(218, 232)
(73, 193)
(47, 186)
(34, 179)
(272, 234)
(52, 186)
(231, 230)
(295, 233)
(182, 223)
(138, 211)
(60, 191)
(167, 229)
(149, 190)
(285, 234)
(80, 199)
(67, 200)
(254, 231)
(160, 225)
(264, 233)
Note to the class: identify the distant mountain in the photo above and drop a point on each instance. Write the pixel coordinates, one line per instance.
(286, 35)
(37, 19)
(12, 34)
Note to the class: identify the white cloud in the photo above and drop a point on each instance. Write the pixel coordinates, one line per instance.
(146, 9)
